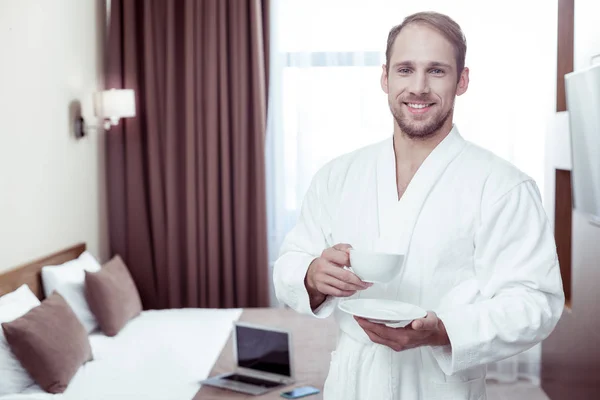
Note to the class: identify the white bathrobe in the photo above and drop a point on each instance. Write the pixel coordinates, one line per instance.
(480, 252)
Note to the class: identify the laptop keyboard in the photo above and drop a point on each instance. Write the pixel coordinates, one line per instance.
(251, 381)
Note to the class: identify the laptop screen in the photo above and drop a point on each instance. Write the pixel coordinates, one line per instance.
(263, 350)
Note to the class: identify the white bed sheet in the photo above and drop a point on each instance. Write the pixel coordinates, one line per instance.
(159, 355)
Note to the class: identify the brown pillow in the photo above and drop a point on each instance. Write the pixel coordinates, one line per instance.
(50, 343)
(112, 296)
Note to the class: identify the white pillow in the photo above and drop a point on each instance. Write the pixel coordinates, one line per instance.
(13, 377)
(68, 280)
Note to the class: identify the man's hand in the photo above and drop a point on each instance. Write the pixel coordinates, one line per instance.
(428, 331)
(326, 276)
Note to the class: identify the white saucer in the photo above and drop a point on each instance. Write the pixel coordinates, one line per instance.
(389, 312)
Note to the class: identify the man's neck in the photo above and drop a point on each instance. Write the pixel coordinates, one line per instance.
(410, 153)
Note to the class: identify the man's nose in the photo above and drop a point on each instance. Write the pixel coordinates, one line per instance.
(419, 84)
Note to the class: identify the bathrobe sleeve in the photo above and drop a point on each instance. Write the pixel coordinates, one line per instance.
(304, 243)
(517, 273)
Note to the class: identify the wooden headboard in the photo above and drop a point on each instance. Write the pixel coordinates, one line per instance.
(30, 273)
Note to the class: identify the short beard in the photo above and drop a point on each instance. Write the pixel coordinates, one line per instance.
(424, 132)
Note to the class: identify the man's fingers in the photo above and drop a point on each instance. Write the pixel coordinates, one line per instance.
(338, 254)
(339, 284)
(381, 330)
(429, 323)
(348, 277)
(338, 257)
(378, 339)
(382, 334)
(334, 291)
(342, 247)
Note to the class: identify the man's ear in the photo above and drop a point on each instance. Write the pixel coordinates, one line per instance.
(463, 82)
(384, 79)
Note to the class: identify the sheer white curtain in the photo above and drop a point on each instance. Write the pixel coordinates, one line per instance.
(325, 97)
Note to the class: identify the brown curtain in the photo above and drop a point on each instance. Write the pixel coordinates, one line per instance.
(186, 176)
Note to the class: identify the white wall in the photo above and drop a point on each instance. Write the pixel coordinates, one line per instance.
(52, 192)
(587, 32)
(586, 44)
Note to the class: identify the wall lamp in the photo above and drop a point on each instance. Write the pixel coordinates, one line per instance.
(110, 106)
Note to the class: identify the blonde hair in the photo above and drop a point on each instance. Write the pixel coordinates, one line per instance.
(440, 22)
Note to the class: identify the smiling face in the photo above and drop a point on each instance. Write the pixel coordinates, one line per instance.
(421, 81)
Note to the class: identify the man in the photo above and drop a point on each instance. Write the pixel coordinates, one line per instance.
(480, 253)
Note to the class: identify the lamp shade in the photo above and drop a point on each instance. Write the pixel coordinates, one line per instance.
(115, 103)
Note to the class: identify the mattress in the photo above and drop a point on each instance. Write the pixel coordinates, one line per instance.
(158, 355)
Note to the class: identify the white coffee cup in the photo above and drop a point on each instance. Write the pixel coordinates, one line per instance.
(375, 267)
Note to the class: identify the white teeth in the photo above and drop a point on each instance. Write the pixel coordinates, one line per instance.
(411, 105)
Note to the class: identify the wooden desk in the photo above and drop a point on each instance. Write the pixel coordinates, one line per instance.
(313, 341)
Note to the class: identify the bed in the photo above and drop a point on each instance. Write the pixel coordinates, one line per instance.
(164, 354)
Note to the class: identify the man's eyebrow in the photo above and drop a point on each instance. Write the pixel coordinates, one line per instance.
(432, 64)
(403, 64)
(440, 64)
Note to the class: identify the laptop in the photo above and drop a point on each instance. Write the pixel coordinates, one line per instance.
(263, 359)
